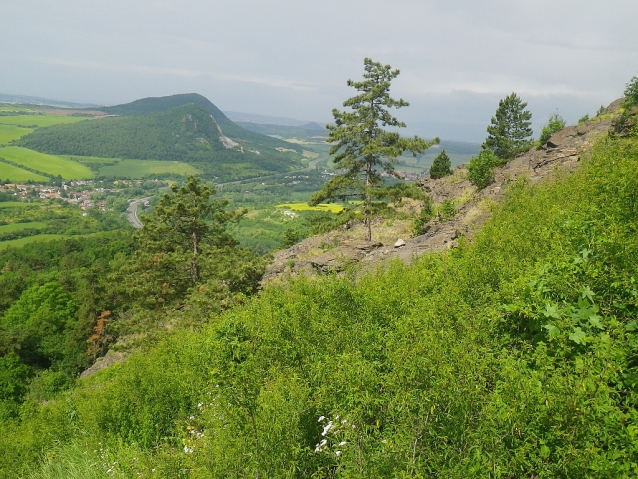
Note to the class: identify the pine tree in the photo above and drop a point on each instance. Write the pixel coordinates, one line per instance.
(183, 244)
(363, 149)
(441, 166)
(510, 132)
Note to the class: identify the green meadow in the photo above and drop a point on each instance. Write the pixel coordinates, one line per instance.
(18, 243)
(91, 160)
(143, 168)
(40, 120)
(49, 164)
(12, 132)
(11, 227)
(17, 204)
(18, 175)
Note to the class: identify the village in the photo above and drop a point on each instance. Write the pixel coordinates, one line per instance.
(75, 192)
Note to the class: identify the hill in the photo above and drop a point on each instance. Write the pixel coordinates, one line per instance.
(180, 127)
(512, 355)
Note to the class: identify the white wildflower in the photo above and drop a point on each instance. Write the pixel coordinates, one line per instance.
(337, 453)
(321, 418)
(342, 443)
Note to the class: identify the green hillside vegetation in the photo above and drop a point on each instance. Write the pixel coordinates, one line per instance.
(11, 132)
(229, 128)
(39, 120)
(39, 238)
(186, 133)
(144, 168)
(510, 356)
(13, 174)
(11, 227)
(43, 163)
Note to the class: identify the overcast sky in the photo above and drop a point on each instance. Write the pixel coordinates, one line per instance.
(292, 58)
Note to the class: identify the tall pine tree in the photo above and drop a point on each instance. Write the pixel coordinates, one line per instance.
(363, 149)
(510, 132)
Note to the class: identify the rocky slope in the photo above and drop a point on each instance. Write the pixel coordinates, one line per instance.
(333, 252)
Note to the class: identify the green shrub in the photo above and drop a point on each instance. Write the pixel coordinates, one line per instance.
(480, 170)
(554, 124)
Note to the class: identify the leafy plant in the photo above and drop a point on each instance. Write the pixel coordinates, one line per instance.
(554, 124)
(480, 170)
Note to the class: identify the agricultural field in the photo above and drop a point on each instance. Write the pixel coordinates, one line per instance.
(11, 227)
(17, 204)
(12, 132)
(48, 164)
(18, 243)
(18, 175)
(91, 160)
(325, 207)
(143, 168)
(40, 120)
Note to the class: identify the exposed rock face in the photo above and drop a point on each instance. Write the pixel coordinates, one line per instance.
(564, 150)
(111, 357)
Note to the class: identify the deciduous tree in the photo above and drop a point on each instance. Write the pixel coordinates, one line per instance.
(363, 149)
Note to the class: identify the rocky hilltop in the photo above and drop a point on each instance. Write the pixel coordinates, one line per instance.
(334, 251)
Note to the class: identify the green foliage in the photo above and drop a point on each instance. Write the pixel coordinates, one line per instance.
(509, 133)
(441, 166)
(511, 356)
(583, 119)
(38, 326)
(183, 244)
(631, 93)
(480, 170)
(446, 210)
(554, 124)
(363, 149)
(179, 128)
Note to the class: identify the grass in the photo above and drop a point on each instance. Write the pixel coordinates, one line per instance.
(52, 165)
(10, 228)
(11, 132)
(92, 160)
(18, 175)
(331, 207)
(143, 168)
(18, 243)
(39, 120)
(18, 204)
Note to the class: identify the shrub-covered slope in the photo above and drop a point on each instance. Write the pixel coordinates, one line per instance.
(512, 356)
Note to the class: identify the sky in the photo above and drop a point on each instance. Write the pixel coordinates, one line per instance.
(292, 58)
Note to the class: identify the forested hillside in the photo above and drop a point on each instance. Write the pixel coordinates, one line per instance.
(182, 127)
(510, 356)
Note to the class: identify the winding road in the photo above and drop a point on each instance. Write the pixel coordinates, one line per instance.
(131, 211)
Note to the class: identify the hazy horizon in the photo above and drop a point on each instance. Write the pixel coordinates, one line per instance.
(292, 59)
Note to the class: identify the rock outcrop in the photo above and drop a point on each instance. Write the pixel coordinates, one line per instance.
(564, 151)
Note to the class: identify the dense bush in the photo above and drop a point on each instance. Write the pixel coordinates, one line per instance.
(512, 356)
(480, 169)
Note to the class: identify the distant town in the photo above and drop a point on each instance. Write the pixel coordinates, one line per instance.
(74, 192)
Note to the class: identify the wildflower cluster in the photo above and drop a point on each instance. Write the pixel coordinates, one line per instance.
(195, 427)
(334, 435)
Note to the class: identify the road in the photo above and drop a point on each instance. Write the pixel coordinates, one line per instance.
(131, 211)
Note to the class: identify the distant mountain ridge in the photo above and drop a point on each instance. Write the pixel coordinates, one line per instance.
(185, 127)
